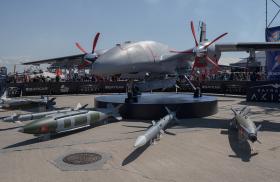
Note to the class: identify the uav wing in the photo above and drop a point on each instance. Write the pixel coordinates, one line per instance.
(74, 59)
(78, 59)
(248, 46)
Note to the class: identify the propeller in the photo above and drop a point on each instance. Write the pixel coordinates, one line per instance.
(200, 50)
(89, 57)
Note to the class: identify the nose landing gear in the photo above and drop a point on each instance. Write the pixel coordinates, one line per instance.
(133, 92)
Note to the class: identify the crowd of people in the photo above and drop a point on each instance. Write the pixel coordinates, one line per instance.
(27, 78)
(237, 76)
(39, 77)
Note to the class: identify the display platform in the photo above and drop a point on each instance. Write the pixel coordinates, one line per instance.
(152, 105)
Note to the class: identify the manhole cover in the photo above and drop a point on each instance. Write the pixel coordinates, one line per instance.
(82, 158)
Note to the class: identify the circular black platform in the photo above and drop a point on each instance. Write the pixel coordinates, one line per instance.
(152, 105)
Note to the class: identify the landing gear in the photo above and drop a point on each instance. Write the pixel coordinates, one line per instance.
(132, 92)
(196, 90)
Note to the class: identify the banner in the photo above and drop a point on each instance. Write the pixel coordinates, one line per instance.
(273, 57)
(269, 92)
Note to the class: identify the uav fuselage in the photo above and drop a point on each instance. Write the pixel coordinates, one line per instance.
(141, 57)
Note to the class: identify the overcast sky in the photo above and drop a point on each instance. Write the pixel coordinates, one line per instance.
(39, 29)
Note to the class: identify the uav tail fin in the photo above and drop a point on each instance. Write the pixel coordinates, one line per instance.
(202, 32)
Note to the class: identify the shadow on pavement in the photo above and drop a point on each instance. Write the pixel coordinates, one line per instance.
(40, 139)
(242, 150)
(222, 124)
(5, 129)
(261, 104)
(135, 154)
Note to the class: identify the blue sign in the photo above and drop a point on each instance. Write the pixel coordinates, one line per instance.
(273, 57)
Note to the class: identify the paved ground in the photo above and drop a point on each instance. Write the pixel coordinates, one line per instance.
(202, 150)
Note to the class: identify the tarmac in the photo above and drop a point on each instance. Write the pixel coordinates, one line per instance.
(203, 149)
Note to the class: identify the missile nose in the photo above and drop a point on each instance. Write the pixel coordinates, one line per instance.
(140, 141)
(253, 137)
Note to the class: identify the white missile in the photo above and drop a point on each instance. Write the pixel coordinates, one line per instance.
(156, 130)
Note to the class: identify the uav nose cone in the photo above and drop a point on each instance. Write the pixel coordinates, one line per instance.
(140, 141)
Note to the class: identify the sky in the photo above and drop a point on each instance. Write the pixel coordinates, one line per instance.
(40, 29)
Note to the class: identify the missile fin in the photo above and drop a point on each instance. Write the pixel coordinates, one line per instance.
(169, 133)
(4, 96)
(168, 110)
(78, 106)
(18, 122)
(176, 119)
(259, 127)
(234, 111)
(245, 129)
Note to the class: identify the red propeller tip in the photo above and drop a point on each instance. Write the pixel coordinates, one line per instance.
(95, 41)
(193, 32)
(80, 47)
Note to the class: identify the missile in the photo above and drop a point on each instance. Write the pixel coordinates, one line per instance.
(246, 127)
(68, 121)
(156, 130)
(25, 117)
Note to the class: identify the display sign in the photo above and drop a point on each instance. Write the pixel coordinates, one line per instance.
(269, 92)
(273, 57)
(14, 92)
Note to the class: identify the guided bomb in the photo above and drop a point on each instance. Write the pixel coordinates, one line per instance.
(246, 127)
(69, 121)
